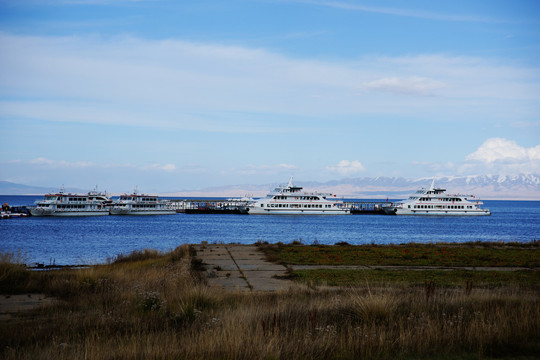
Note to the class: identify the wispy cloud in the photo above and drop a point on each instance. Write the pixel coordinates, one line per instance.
(82, 2)
(60, 163)
(526, 124)
(405, 86)
(159, 167)
(188, 85)
(494, 156)
(64, 164)
(347, 167)
(262, 169)
(422, 14)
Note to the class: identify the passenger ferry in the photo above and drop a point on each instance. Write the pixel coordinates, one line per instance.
(141, 204)
(61, 204)
(435, 201)
(291, 200)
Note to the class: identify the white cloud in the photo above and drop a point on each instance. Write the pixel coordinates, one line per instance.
(63, 164)
(346, 167)
(405, 86)
(261, 169)
(499, 149)
(503, 156)
(60, 163)
(401, 12)
(188, 85)
(287, 166)
(160, 167)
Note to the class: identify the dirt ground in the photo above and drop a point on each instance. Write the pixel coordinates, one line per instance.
(12, 304)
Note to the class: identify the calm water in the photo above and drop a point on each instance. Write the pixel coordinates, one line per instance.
(94, 239)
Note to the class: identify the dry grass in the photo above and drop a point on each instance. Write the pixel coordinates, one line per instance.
(158, 308)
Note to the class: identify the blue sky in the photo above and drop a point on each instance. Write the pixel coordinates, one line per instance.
(178, 95)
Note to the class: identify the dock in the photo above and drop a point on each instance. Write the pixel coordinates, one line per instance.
(367, 207)
(210, 206)
(238, 206)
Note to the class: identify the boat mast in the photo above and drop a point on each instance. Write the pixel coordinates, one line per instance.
(432, 187)
(290, 182)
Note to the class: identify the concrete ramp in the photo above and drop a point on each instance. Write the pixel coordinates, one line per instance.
(240, 267)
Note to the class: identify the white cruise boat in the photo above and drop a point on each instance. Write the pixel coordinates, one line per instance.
(291, 200)
(61, 204)
(435, 201)
(141, 204)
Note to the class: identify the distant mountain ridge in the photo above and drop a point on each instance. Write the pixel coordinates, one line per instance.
(496, 187)
(10, 188)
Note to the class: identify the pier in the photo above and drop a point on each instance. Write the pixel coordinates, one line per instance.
(210, 206)
(238, 206)
(367, 207)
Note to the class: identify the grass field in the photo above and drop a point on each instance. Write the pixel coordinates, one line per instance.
(441, 278)
(468, 254)
(496, 257)
(154, 305)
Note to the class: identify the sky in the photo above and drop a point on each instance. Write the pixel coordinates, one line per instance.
(170, 95)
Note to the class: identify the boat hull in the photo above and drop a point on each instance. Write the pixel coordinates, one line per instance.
(37, 212)
(142, 212)
(274, 211)
(430, 212)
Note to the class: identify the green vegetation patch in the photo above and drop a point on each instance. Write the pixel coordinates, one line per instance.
(405, 255)
(341, 277)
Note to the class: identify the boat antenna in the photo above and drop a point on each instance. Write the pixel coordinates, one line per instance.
(432, 187)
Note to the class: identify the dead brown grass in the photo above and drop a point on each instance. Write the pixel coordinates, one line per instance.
(157, 308)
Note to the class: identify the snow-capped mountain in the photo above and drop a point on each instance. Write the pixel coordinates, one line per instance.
(522, 187)
(518, 187)
(515, 187)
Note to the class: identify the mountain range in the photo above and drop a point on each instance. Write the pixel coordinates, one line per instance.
(495, 187)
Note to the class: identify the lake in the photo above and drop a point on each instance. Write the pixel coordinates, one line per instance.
(90, 240)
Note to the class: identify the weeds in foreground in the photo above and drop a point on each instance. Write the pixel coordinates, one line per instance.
(157, 308)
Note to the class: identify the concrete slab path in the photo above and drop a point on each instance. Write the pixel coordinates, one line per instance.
(243, 267)
(240, 267)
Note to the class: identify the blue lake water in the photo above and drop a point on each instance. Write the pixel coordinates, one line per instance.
(90, 240)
